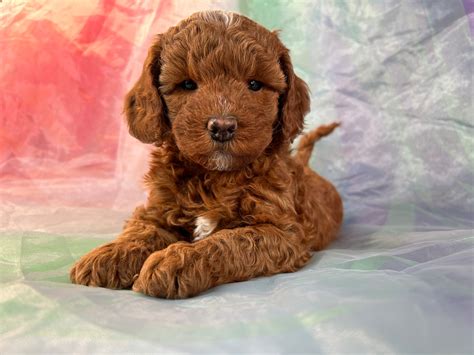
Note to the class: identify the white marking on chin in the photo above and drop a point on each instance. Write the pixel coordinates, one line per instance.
(221, 161)
(204, 227)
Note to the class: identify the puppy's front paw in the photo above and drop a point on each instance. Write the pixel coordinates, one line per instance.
(112, 265)
(175, 272)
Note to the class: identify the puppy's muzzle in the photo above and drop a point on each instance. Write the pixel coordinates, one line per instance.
(222, 129)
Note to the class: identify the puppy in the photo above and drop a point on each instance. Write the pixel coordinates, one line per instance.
(227, 201)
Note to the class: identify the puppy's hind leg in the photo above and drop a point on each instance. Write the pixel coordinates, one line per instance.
(321, 210)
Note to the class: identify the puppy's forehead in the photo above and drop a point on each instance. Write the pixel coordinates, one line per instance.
(214, 44)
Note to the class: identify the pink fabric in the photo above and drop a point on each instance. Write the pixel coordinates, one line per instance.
(66, 66)
(64, 75)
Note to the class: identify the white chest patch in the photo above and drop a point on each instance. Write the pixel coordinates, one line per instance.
(204, 227)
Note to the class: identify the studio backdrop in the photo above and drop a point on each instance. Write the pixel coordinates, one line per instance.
(396, 74)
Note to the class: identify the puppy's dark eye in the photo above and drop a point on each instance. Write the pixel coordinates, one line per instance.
(189, 85)
(255, 85)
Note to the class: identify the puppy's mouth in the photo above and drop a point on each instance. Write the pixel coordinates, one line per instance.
(226, 146)
(224, 156)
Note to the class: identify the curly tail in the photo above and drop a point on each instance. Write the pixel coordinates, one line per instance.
(306, 144)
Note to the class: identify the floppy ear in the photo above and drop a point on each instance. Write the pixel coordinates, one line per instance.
(143, 107)
(294, 102)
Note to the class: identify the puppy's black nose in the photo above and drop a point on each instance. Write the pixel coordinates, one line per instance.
(222, 129)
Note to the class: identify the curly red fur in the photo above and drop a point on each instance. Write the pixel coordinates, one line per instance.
(218, 212)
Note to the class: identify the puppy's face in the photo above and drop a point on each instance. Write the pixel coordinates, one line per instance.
(221, 84)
